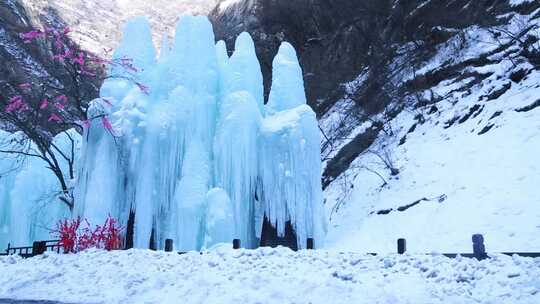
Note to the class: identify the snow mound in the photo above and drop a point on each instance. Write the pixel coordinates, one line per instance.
(268, 275)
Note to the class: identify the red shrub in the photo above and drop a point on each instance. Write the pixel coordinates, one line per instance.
(74, 239)
(66, 231)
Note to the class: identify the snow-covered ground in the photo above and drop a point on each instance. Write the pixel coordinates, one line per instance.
(268, 276)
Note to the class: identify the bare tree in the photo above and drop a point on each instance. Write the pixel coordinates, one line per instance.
(41, 109)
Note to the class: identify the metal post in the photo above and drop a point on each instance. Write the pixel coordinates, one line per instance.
(309, 243)
(236, 244)
(168, 245)
(479, 249)
(401, 246)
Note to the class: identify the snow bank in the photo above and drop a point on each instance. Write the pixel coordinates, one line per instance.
(268, 276)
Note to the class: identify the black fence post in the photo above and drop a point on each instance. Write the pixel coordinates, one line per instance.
(39, 248)
(168, 245)
(236, 244)
(479, 250)
(309, 243)
(8, 248)
(401, 246)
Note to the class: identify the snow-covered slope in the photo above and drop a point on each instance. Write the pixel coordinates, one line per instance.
(465, 160)
(268, 276)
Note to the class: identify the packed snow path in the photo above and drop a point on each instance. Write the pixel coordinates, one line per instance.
(268, 276)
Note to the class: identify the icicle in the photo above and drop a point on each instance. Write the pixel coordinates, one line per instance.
(244, 70)
(290, 169)
(193, 62)
(235, 152)
(223, 61)
(221, 54)
(186, 119)
(99, 190)
(136, 48)
(287, 89)
(219, 218)
(290, 164)
(191, 197)
(133, 59)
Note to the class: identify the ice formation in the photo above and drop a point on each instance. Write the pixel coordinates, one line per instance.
(199, 158)
(28, 215)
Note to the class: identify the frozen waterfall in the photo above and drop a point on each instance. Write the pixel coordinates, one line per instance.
(29, 207)
(199, 158)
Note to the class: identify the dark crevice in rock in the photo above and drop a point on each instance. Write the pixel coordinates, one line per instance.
(519, 75)
(474, 110)
(530, 107)
(451, 122)
(412, 129)
(486, 129)
(496, 114)
(439, 199)
(497, 93)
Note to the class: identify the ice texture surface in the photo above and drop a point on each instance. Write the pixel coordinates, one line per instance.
(198, 157)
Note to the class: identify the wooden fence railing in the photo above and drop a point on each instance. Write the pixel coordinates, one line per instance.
(37, 248)
(478, 248)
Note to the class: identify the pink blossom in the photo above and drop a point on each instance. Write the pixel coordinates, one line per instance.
(24, 107)
(10, 108)
(29, 36)
(87, 123)
(15, 103)
(79, 59)
(59, 106)
(59, 57)
(87, 73)
(107, 124)
(25, 85)
(44, 104)
(67, 30)
(68, 53)
(55, 118)
(100, 60)
(127, 63)
(15, 98)
(58, 40)
(61, 98)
